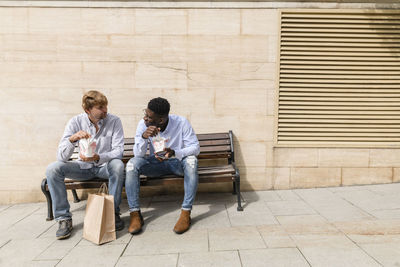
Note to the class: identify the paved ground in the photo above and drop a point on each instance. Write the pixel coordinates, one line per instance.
(343, 226)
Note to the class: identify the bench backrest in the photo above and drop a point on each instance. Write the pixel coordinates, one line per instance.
(212, 146)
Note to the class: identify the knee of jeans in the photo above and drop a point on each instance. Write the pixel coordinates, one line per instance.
(116, 165)
(134, 164)
(53, 170)
(190, 162)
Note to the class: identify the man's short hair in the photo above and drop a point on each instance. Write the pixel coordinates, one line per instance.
(159, 106)
(93, 98)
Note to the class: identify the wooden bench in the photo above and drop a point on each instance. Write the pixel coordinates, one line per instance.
(213, 146)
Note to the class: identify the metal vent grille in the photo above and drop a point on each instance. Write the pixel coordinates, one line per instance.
(339, 77)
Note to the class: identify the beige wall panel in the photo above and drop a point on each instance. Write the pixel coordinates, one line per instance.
(271, 94)
(201, 48)
(281, 178)
(213, 75)
(314, 177)
(40, 102)
(254, 48)
(214, 21)
(273, 48)
(174, 48)
(250, 154)
(161, 75)
(396, 175)
(353, 176)
(31, 140)
(15, 177)
(108, 74)
(201, 124)
(241, 101)
(108, 21)
(255, 178)
(257, 75)
(124, 48)
(14, 20)
(28, 47)
(256, 128)
(21, 196)
(296, 157)
(161, 21)
(79, 47)
(130, 101)
(346, 157)
(384, 158)
(55, 20)
(196, 101)
(260, 21)
(40, 74)
(227, 48)
(148, 48)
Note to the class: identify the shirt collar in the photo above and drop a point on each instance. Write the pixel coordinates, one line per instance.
(100, 123)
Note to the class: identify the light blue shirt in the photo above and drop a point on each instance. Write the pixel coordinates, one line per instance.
(180, 134)
(109, 139)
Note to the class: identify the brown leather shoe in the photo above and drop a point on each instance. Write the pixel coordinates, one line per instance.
(183, 223)
(136, 222)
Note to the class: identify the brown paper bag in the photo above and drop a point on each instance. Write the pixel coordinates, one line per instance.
(99, 222)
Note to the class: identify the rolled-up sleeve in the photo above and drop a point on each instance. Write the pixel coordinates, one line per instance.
(140, 147)
(191, 146)
(65, 147)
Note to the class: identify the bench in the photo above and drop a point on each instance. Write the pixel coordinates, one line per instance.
(213, 146)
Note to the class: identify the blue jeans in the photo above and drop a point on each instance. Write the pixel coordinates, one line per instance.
(57, 171)
(151, 167)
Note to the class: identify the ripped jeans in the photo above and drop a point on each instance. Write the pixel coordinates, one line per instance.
(151, 167)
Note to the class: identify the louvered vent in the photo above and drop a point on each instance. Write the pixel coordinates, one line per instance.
(339, 78)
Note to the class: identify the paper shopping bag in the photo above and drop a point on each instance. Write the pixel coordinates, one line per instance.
(99, 222)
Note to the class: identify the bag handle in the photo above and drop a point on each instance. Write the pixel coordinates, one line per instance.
(103, 189)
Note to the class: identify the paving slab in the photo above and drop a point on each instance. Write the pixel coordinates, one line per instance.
(254, 213)
(287, 195)
(268, 196)
(16, 213)
(339, 210)
(272, 257)
(332, 250)
(4, 207)
(165, 242)
(22, 252)
(213, 258)
(244, 237)
(275, 236)
(291, 207)
(167, 260)
(344, 226)
(301, 219)
(93, 256)
(209, 216)
(370, 227)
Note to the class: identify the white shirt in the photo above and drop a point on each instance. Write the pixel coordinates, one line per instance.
(180, 134)
(109, 139)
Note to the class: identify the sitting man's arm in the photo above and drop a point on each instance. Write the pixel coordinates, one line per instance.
(117, 144)
(66, 145)
(140, 147)
(191, 146)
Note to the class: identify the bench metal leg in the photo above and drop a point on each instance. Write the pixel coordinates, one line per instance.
(237, 189)
(48, 198)
(76, 198)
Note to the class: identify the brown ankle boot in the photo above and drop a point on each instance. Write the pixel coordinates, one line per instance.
(183, 223)
(136, 223)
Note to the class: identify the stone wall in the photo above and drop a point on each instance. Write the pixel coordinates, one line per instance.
(217, 67)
